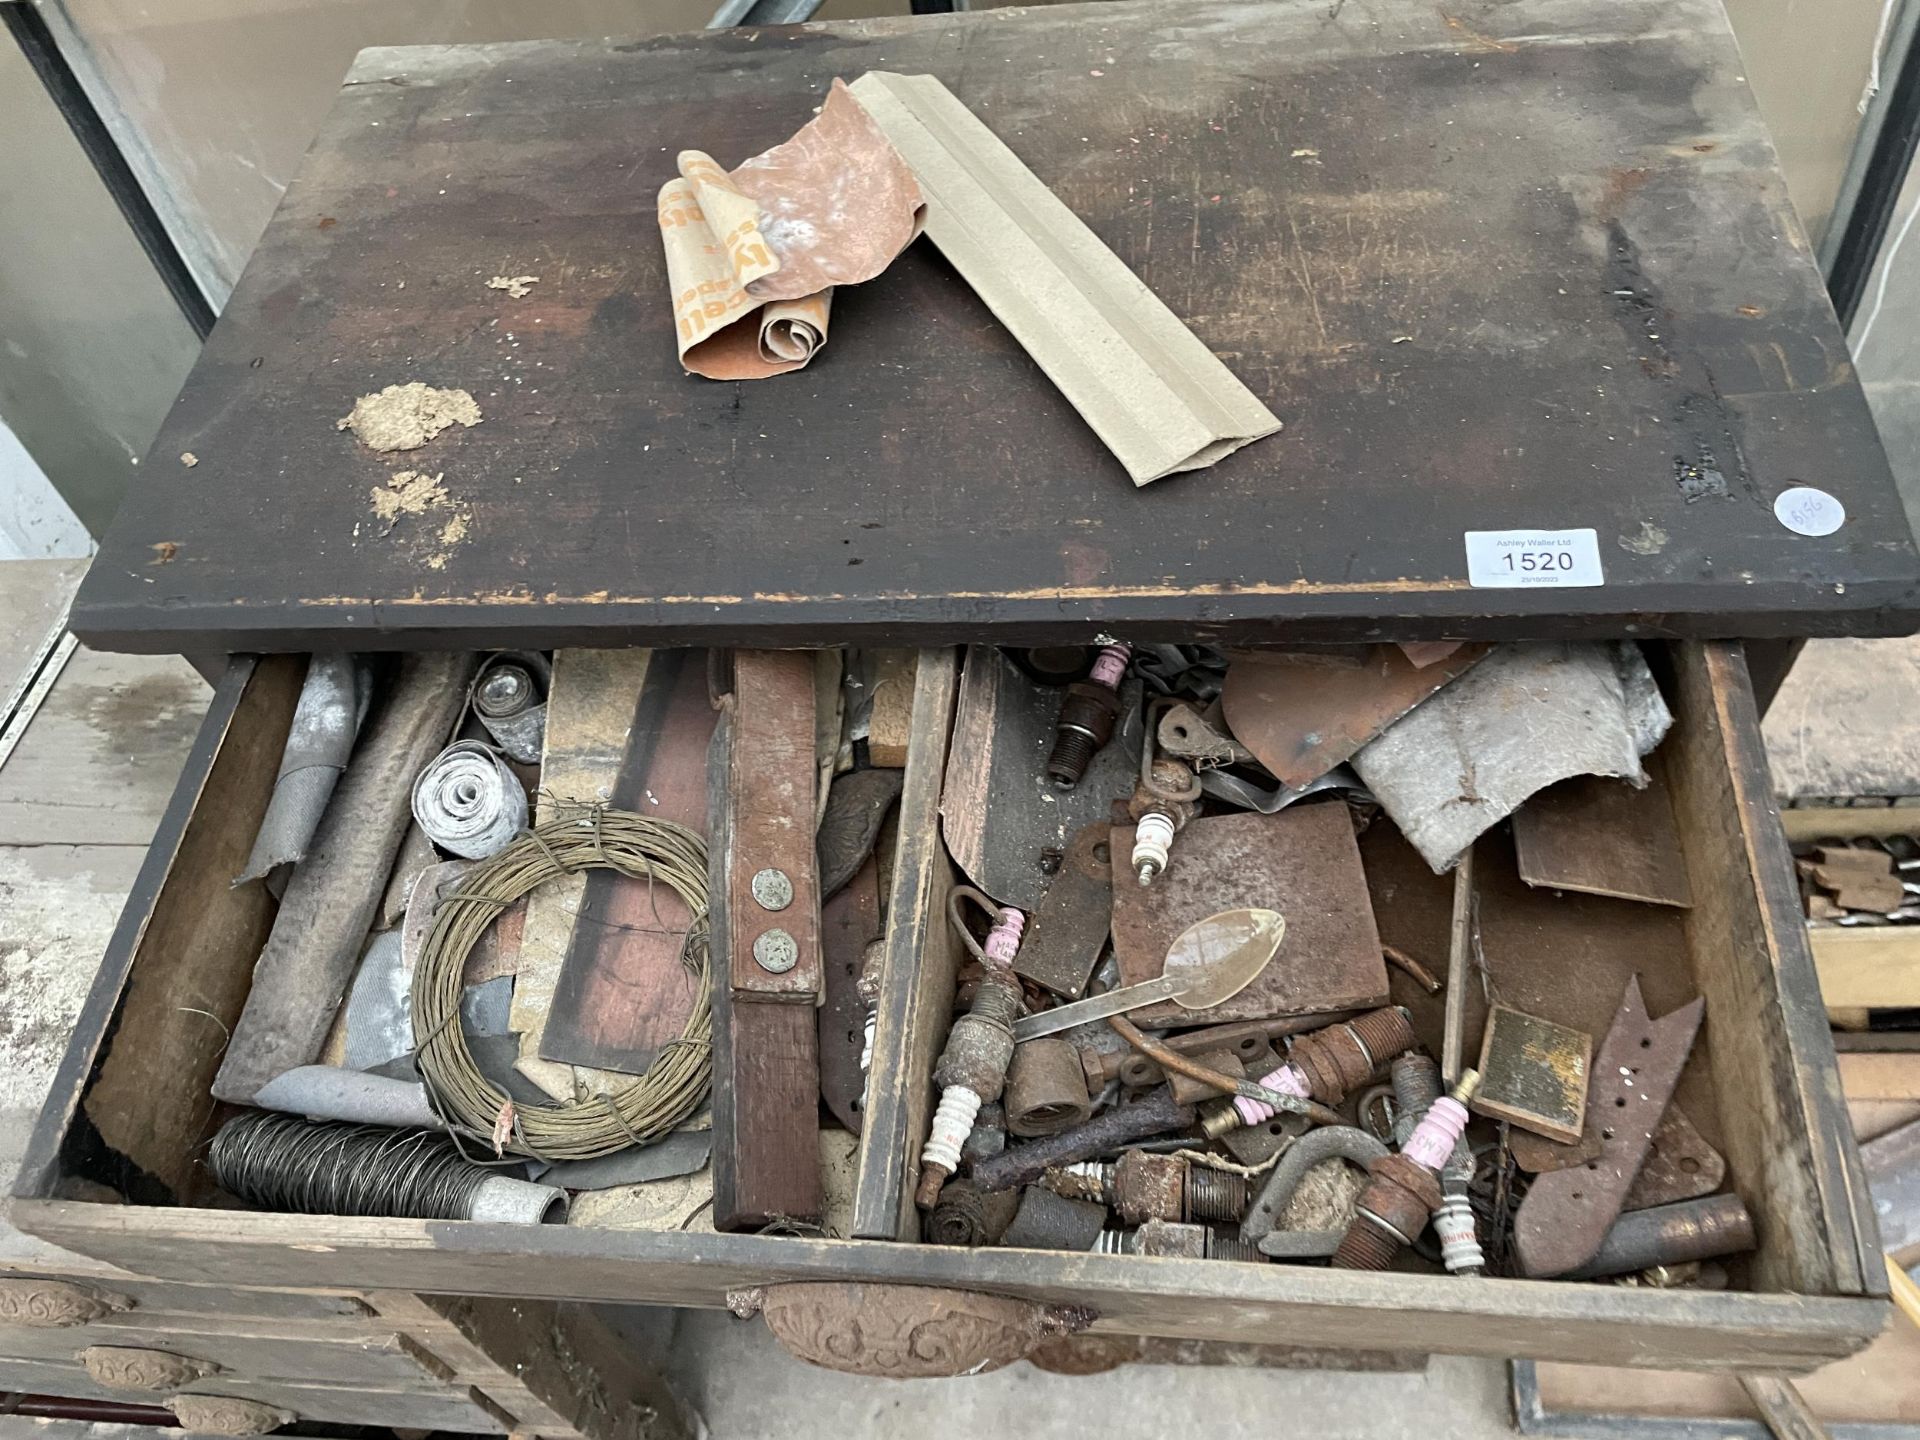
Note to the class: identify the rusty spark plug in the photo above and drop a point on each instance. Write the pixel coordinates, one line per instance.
(1404, 1189)
(973, 1065)
(1141, 1186)
(1325, 1065)
(1087, 713)
(1416, 1087)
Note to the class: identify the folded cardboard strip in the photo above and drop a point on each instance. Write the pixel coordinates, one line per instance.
(1158, 398)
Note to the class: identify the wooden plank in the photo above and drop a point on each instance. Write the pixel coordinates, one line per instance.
(1603, 837)
(1869, 966)
(1835, 823)
(1842, 723)
(557, 1369)
(918, 967)
(1885, 1076)
(33, 601)
(1200, 1299)
(1751, 961)
(1348, 289)
(766, 1054)
(178, 1011)
(83, 773)
(890, 725)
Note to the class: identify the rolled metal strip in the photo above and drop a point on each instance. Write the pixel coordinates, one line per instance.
(469, 801)
(510, 699)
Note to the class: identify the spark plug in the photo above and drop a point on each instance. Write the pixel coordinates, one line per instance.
(1142, 1186)
(1416, 1087)
(973, 1064)
(1404, 1189)
(1325, 1065)
(1087, 713)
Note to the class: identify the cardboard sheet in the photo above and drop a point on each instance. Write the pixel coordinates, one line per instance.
(1158, 397)
(753, 255)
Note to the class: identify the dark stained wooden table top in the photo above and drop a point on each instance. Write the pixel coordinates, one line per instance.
(1496, 266)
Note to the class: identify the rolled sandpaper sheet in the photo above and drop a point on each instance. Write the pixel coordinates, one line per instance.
(329, 906)
(328, 1092)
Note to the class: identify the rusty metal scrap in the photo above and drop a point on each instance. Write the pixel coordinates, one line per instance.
(1701, 1229)
(1567, 1213)
(1070, 925)
(1304, 863)
(1527, 716)
(1534, 1073)
(1303, 712)
(1156, 1114)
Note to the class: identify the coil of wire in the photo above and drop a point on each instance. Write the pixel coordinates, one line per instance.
(576, 838)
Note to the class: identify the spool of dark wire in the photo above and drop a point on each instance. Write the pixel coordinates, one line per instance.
(307, 1167)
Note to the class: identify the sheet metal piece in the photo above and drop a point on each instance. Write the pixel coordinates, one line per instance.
(1303, 712)
(513, 707)
(1603, 837)
(857, 806)
(469, 801)
(1892, 1164)
(1303, 863)
(682, 1153)
(1069, 929)
(380, 1005)
(326, 721)
(849, 923)
(1157, 396)
(1525, 717)
(1186, 734)
(1566, 1214)
(1534, 1073)
(1680, 1165)
(1004, 824)
(1238, 790)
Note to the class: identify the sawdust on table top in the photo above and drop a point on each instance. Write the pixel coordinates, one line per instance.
(516, 286)
(410, 492)
(405, 417)
(414, 492)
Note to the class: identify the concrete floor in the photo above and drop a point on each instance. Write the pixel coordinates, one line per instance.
(742, 1383)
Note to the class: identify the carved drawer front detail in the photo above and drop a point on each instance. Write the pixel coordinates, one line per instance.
(223, 1415)
(56, 1304)
(122, 1367)
(905, 1332)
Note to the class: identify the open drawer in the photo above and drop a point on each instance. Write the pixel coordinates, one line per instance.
(1813, 1290)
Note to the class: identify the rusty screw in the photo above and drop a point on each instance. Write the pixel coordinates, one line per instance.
(1087, 713)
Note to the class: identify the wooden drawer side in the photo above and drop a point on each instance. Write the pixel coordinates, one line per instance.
(1788, 1145)
(177, 968)
(917, 978)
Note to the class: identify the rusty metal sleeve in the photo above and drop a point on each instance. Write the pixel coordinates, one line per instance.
(1157, 1114)
(1670, 1235)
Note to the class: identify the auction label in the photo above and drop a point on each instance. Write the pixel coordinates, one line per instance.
(1512, 559)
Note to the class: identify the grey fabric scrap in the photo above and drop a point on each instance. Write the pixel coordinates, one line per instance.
(326, 719)
(327, 1092)
(380, 1005)
(1527, 716)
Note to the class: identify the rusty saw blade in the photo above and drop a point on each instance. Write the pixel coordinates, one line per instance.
(1566, 1214)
